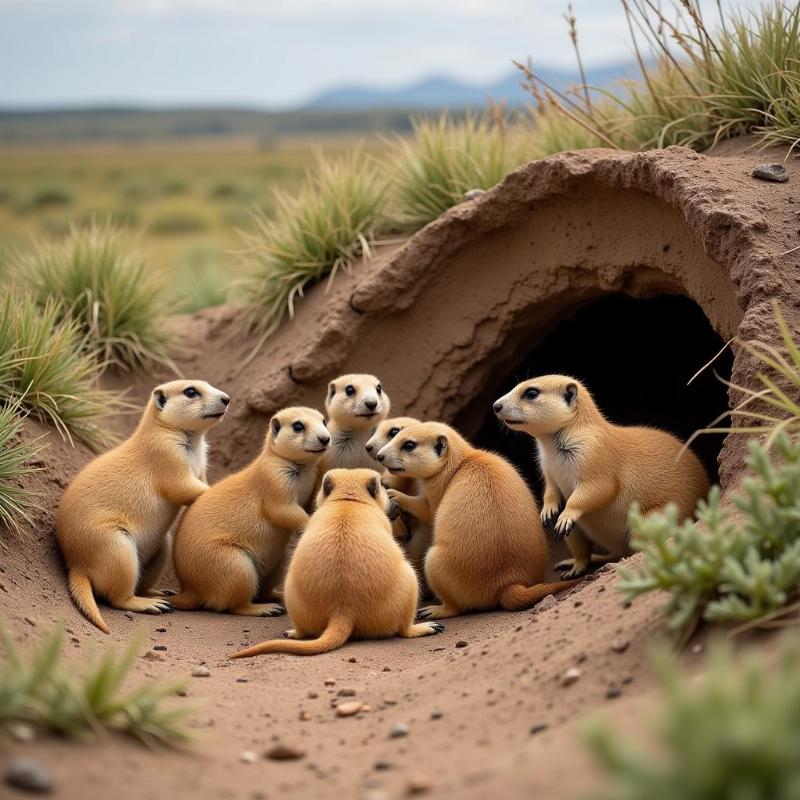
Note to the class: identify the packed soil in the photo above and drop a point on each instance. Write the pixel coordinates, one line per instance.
(483, 709)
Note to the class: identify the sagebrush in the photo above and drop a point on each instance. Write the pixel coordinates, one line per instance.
(16, 463)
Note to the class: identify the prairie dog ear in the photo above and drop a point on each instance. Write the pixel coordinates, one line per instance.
(440, 445)
(160, 398)
(331, 390)
(275, 424)
(570, 394)
(327, 485)
(372, 487)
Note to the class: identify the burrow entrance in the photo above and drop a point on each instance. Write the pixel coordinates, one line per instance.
(636, 357)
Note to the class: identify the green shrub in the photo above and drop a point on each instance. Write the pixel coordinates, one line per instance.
(732, 735)
(173, 186)
(226, 189)
(45, 367)
(16, 455)
(96, 280)
(444, 159)
(49, 196)
(330, 221)
(737, 567)
(52, 695)
(177, 222)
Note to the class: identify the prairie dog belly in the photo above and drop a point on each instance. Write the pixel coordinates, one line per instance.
(350, 452)
(563, 469)
(153, 521)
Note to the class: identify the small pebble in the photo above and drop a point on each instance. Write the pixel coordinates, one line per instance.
(437, 713)
(330, 681)
(304, 716)
(418, 784)
(129, 614)
(312, 695)
(22, 732)
(28, 775)
(352, 659)
(248, 757)
(241, 680)
(161, 630)
(462, 643)
(200, 672)
(771, 172)
(151, 655)
(349, 709)
(570, 676)
(161, 647)
(620, 645)
(471, 194)
(537, 727)
(346, 693)
(545, 603)
(613, 692)
(284, 752)
(387, 669)
(399, 730)
(383, 764)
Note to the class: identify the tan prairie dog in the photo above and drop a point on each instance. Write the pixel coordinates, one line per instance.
(489, 549)
(415, 535)
(355, 404)
(112, 521)
(594, 470)
(348, 577)
(229, 547)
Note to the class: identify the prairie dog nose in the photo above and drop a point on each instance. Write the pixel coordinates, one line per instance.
(324, 439)
(381, 456)
(225, 399)
(498, 407)
(371, 403)
(369, 448)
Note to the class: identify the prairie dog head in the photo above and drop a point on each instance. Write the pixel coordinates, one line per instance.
(188, 405)
(356, 402)
(541, 406)
(361, 485)
(418, 451)
(298, 434)
(386, 431)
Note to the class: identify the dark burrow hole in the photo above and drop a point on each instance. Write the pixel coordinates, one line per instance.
(636, 357)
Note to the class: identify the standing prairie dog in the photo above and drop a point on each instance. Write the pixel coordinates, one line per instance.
(599, 469)
(489, 549)
(417, 535)
(112, 521)
(354, 405)
(348, 577)
(229, 546)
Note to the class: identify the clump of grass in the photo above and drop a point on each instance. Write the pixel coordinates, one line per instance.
(741, 567)
(446, 158)
(96, 280)
(45, 366)
(49, 196)
(173, 186)
(330, 221)
(735, 733)
(697, 86)
(225, 189)
(51, 695)
(177, 222)
(16, 455)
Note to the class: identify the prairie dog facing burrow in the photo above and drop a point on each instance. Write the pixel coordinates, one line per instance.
(348, 577)
(489, 549)
(594, 471)
(417, 538)
(355, 404)
(113, 519)
(229, 546)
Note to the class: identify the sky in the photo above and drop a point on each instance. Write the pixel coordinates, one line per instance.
(280, 53)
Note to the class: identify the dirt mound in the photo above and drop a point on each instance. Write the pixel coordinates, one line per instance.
(541, 270)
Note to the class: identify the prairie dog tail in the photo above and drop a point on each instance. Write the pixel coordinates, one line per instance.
(518, 596)
(80, 589)
(335, 635)
(185, 601)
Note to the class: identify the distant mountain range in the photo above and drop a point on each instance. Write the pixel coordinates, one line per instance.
(445, 92)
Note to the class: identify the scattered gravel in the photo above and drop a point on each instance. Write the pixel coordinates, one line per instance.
(200, 672)
(399, 730)
(28, 775)
(571, 676)
(771, 172)
(284, 752)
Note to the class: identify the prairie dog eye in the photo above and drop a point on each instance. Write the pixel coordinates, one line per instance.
(191, 392)
(298, 427)
(350, 390)
(409, 446)
(530, 393)
(379, 389)
(393, 432)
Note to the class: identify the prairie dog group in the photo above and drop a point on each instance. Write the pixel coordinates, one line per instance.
(229, 547)
(113, 519)
(594, 471)
(489, 549)
(348, 577)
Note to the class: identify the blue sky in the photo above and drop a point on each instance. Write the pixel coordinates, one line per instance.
(280, 52)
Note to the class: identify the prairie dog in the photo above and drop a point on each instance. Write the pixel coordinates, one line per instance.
(229, 546)
(113, 519)
(348, 577)
(414, 535)
(489, 549)
(594, 470)
(354, 405)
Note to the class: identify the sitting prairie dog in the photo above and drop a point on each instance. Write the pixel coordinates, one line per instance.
(414, 535)
(113, 519)
(489, 549)
(229, 547)
(354, 405)
(348, 577)
(594, 470)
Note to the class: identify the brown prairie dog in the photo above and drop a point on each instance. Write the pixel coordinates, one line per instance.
(594, 470)
(355, 404)
(348, 577)
(229, 547)
(489, 549)
(418, 533)
(113, 519)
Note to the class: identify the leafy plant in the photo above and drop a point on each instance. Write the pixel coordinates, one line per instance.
(734, 734)
(47, 693)
(16, 455)
(117, 303)
(738, 567)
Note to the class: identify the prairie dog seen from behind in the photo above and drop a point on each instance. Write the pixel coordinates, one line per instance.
(594, 470)
(229, 546)
(489, 549)
(348, 577)
(113, 519)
